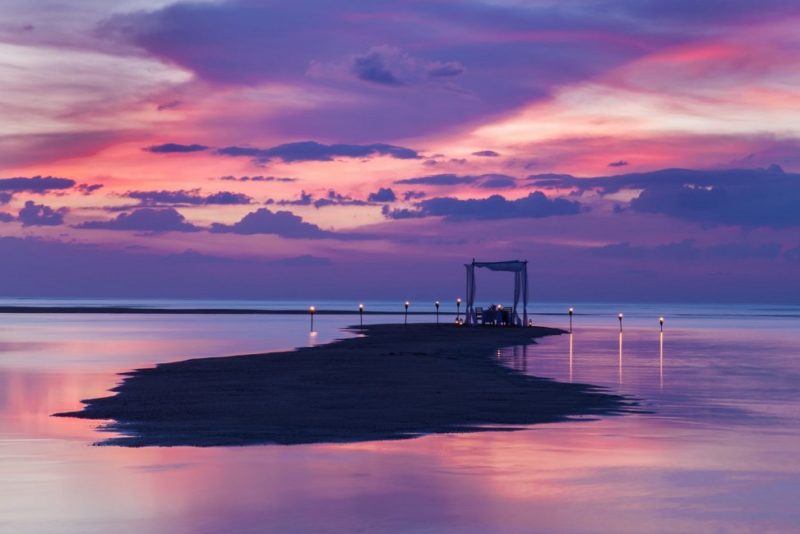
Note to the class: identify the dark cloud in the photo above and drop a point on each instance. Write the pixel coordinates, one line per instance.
(486, 154)
(257, 179)
(6, 217)
(145, 220)
(35, 184)
(535, 205)
(620, 163)
(175, 148)
(414, 195)
(437, 179)
(488, 181)
(384, 194)
(227, 198)
(88, 189)
(372, 67)
(280, 223)
(5, 198)
(446, 70)
(497, 181)
(313, 151)
(191, 197)
(332, 198)
(401, 213)
(689, 250)
(390, 66)
(305, 200)
(742, 197)
(40, 215)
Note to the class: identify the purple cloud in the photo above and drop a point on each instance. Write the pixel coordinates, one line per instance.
(88, 189)
(5, 198)
(145, 220)
(257, 179)
(486, 181)
(332, 198)
(437, 179)
(35, 184)
(401, 213)
(486, 154)
(413, 195)
(280, 223)
(620, 163)
(497, 181)
(175, 148)
(446, 70)
(40, 215)
(313, 151)
(535, 205)
(744, 197)
(305, 199)
(191, 197)
(384, 194)
(476, 59)
(6, 217)
(372, 67)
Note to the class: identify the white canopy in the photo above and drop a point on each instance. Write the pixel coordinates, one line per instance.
(520, 270)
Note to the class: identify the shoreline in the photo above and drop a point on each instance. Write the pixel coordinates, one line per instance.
(395, 382)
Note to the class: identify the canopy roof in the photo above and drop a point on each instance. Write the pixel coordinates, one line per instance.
(511, 265)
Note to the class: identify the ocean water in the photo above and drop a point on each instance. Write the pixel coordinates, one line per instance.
(714, 449)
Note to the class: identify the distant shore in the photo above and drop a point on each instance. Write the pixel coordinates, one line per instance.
(137, 310)
(394, 382)
(200, 311)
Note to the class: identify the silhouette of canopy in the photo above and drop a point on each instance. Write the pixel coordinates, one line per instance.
(520, 270)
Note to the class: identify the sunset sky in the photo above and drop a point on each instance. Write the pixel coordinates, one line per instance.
(630, 150)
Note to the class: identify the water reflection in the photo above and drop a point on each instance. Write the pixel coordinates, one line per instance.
(717, 453)
(515, 357)
(620, 358)
(661, 360)
(570, 356)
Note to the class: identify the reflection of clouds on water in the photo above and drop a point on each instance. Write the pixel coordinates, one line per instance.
(719, 448)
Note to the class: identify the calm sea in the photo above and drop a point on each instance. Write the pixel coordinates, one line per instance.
(717, 450)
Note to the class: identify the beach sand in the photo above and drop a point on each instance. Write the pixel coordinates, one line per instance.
(395, 382)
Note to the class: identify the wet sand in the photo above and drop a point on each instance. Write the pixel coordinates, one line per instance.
(395, 382)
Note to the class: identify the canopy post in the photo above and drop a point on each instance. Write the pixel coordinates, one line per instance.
(525, 295)
(470, 292)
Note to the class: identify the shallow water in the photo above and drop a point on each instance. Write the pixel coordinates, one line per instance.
(716, 452)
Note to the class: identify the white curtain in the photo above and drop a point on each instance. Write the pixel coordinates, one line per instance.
(520, 270)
